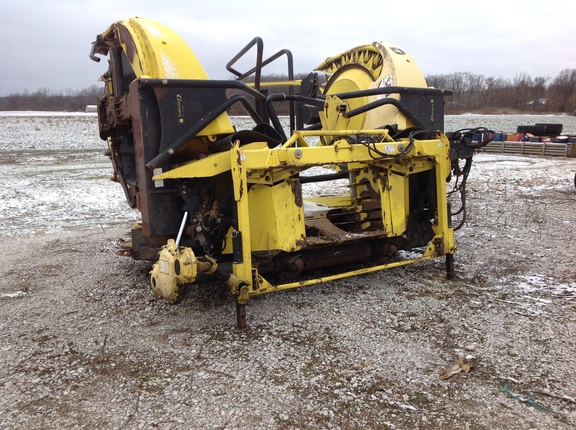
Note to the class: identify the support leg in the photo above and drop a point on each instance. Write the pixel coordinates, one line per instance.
(450, 270)
(240, 315)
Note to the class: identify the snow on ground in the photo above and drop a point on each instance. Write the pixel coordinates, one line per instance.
(54, 175)
(84, 345)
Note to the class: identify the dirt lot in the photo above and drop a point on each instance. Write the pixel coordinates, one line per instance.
(85, 345)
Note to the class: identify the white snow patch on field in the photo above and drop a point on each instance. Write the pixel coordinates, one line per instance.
(54, 175)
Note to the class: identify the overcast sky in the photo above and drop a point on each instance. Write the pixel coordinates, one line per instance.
(45, 43)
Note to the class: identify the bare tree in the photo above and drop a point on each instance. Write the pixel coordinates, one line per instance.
(562, 91)
(471, 92)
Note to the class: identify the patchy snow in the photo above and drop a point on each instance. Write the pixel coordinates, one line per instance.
(12, 295)
(35, 113)
(87, 346)
(54, 175)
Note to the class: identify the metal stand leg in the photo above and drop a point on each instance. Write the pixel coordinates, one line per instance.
(240, 315)
(450, 270)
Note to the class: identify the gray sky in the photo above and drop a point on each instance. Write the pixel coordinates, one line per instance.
(45, 43)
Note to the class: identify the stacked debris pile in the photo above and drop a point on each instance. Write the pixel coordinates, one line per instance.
(538, 139)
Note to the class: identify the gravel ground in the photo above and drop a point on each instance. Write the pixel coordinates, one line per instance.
(84, 344)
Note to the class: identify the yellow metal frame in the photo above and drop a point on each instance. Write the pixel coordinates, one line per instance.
(270, 211)
(373, 66)
(156, 51)
(255, 168)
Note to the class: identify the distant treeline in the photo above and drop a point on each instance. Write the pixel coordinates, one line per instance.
(476, 93)
(471, 93)
(46, 99)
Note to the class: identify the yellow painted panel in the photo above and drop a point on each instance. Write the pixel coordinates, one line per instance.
(276, 219)
(397, 195)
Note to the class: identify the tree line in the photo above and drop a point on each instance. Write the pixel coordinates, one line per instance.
(471, 93)
(476, 93)
(46, 99)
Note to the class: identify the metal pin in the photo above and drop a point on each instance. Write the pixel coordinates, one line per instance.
(182, 225)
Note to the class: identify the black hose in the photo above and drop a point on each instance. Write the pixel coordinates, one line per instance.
(200, 125)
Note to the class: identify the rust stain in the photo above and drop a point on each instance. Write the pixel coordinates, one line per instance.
(161, 92)
(125, 37)
(297, 191)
